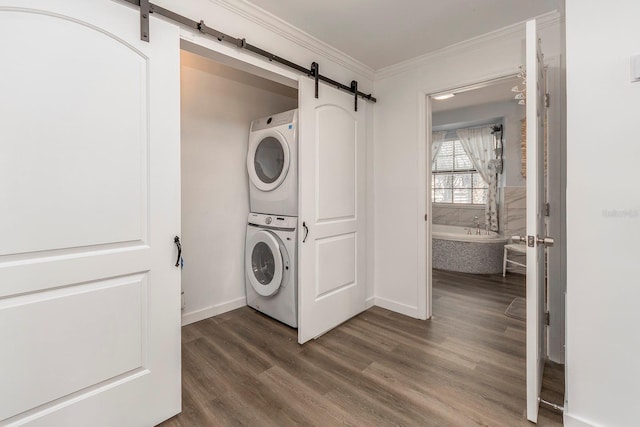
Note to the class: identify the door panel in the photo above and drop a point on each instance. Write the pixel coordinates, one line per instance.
(336, 163)
(90, 299)
(332, 207)
(535, 111)
(341, 253)
(79, 354)
(67, 151)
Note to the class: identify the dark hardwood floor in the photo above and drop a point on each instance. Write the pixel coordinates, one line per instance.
(464, 367)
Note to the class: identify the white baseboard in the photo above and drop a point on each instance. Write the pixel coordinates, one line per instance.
(398, 307)
(214, 310)
(573, 421)
(370, 302)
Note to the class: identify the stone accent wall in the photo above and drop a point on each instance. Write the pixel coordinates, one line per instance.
(514, 211)
(457, 215)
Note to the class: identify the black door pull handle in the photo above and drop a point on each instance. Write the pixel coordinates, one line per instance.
(176, 240)
(306, 231)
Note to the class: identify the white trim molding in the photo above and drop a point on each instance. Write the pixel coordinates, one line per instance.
(214, 310)
(573, 421)
(397, 307)
(515, 30)
(370, 302)
(290, 32)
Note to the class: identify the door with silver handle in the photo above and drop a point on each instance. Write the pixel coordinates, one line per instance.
(531, 241)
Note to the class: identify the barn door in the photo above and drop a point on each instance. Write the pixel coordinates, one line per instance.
(332, 209)
(536, 242)
(89, 178)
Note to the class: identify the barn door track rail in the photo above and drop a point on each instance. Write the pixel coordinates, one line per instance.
(147, 8)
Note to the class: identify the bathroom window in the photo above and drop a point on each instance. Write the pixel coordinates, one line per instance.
(455, 180)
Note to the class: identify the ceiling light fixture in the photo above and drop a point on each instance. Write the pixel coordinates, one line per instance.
(444, 96)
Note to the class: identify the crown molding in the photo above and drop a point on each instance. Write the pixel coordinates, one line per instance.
(515, 30)
(292, 33)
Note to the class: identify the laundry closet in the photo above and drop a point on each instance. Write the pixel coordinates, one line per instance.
(253, 135)
(218, 104)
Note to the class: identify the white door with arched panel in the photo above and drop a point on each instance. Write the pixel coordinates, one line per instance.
(332, 171)
(89, 177)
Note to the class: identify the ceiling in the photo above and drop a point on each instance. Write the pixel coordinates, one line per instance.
(380, 33)
(496, 92)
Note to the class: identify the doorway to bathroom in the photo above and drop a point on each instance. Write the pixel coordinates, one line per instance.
(474, 130)
(491, 111)
(477, 195)
(477, 184)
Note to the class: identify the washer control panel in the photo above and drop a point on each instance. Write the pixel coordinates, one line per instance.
(273, 221)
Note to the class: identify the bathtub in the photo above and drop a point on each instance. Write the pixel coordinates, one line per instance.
(454, 249)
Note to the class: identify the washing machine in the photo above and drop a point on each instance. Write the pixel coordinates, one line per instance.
(272, 164)
(270, 265)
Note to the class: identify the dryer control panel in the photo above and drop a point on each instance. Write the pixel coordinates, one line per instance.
(288, 117)
(273, 221)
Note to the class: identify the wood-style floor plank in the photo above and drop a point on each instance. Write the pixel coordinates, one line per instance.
(464, 367)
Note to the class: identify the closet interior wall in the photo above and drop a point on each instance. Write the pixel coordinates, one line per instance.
(218, 104)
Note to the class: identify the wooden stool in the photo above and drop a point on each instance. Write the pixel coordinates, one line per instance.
(517, 248)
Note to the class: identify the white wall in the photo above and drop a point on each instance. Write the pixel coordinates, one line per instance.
(400, 149)
(218, 104)
(603, 214)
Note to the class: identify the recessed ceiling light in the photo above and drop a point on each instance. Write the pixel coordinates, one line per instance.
(444, 96)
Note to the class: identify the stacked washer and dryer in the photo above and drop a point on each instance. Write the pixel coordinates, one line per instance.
(271, 241)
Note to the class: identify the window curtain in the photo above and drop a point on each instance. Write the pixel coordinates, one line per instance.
(437, 138)
(479, 145)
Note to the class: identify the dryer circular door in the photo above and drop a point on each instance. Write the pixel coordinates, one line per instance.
(264, 263)
(268, 160)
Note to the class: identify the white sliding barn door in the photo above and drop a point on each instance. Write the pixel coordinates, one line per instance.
(89, 181)
(331, 221)
(535, 220)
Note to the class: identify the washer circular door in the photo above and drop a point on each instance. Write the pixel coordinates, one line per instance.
(268, 160)
(264, 263)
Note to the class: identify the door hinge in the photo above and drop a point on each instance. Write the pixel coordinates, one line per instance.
(425, 217)
(547, 100)
(547, 320)
(547, 209)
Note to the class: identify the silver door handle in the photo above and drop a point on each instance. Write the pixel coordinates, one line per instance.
(546, 241)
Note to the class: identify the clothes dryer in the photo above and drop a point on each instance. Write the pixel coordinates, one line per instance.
(272, 164)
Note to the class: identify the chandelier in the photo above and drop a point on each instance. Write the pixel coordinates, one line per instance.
(521, 89)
